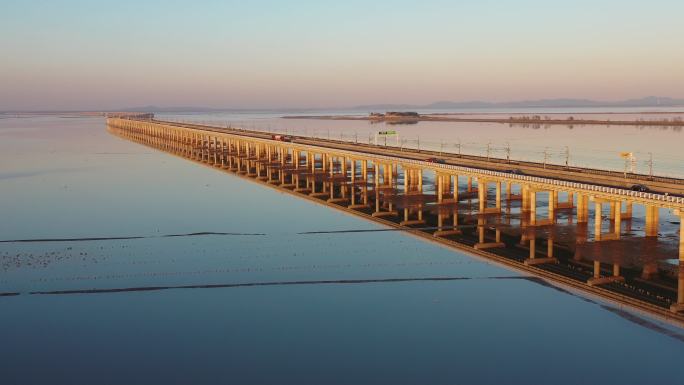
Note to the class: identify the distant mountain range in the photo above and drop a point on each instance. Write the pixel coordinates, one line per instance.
(650, 101)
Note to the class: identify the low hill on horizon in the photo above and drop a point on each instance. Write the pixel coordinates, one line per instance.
(650, 101)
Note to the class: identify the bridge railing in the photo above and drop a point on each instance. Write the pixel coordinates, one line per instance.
(555, 182)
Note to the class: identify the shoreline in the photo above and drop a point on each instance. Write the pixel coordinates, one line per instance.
(447, 117)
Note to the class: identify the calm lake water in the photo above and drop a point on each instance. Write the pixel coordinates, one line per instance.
(67, 178)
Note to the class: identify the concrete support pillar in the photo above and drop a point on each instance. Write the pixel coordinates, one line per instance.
(353, 172)
(470, 184)
(553, 202)
(533, 248)
(681, 238)
(376, 175)
(482, 195)
(652, 218)
(627, 214)
(532, 201)
(582, 208)
(679, 306)
(331, 164)
(597, 269)
(618, 219)
(525, 198)
(440, 190)
(364, 170)
(597, 220)
(455, 188)
(420, 181)
(498, 195)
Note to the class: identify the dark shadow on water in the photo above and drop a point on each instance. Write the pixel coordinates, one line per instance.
(203, 233)
(619, 312)
(631, 317)
(644, 322)
(28, 174)
(251, 284)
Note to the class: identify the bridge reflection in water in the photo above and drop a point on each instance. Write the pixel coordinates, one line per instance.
(586, 236)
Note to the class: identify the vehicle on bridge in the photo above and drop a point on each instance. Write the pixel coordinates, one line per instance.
(435, 160)
(640, 188)
(282, 138)
(515, 171)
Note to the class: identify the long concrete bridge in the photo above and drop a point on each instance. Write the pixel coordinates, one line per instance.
(583, 228)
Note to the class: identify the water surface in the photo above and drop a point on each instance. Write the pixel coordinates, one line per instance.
(343, 308)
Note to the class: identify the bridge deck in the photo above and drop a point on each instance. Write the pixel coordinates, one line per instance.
(614, 179)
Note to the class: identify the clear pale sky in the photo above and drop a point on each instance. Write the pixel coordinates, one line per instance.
(260, 53)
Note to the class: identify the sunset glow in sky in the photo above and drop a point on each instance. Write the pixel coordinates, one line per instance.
(257, 54)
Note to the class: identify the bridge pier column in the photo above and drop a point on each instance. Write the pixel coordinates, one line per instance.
(597, 220)
(533, 251)
(582, 208)
(419, 176)
(532, 206)
(598, 280)
(498, 195)
(681, 238)
(364, 170)
(482, 194)
(440, 191)
(331, 164)
(353, 171)
(455, 188)
(525, 206)
(679, 305)
(446, 180)
(344, 167)
(652, 218)
(618, 219)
